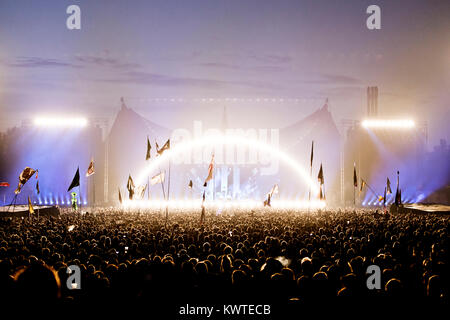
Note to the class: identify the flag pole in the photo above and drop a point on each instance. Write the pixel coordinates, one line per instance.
(168, 195)
(79, 191)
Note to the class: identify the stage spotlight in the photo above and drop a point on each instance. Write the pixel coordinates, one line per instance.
(394, 124)
(60, 122)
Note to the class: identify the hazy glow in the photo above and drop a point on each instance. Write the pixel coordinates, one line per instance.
(229, 140)
(221, 204)
(395, 124)
(60, 122)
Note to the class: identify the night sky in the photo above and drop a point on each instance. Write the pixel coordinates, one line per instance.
(298, 51)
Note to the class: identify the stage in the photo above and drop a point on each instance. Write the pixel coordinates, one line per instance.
(22, 211)
(421, 208)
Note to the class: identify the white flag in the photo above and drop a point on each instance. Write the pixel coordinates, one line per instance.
(159, 178)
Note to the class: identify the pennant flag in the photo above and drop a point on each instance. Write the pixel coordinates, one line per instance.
(210, 171)
(26, 174)
(120, 197)
(355, 178)
(143, 191)
(363, 184)
(165, 147)
(398, 192)
(75, 181)
(130, 183)
(4, 184)
(159, 178)
(190, 184)
(388, 186)
(37, 187)
(320, 176)
(312, 152)
(90, 170)
(30, 207)
(130, 187)
(267, 201)
(148, 149)
(140, 191)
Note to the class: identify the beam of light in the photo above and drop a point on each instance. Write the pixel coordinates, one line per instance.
(222, 204)
(233, 141)
(60, 122)
(391, 124)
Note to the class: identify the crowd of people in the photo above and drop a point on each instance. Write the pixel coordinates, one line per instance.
(269, 255)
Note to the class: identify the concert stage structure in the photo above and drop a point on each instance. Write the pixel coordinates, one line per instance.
(22, 211)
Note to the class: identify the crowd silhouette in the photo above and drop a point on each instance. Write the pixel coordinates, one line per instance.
(263, 256)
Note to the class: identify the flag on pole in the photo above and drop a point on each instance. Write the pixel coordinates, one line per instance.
(37, 187)
(75, 180)
(355, 178)
(210, 171)
(384, 197)
(120, 197)
(388, 187)
(159, 178)
(363, 184)
(165, 147)
(398, 192)
(320, 176)
(130, 187)
(312, 152)
(30, 207)
(267, 201)
(4, 184)
(149, 147)
(26, 174)
(190, 184)
(90, 171)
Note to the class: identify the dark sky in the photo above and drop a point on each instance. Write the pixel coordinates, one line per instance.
(297, 52)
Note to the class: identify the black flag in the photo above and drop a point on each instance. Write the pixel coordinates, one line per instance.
(190, 184)
(165, 147)
(312, 153)
(130, 187)
(148, 149)
(388, 186)
(37, 187)
(75, 181)
(355, 178)
(320, 176)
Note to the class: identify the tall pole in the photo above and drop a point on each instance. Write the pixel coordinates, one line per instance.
(168, 196)
(81, 201)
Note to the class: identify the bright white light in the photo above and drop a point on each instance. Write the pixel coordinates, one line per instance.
(394, 124)
(222, 204)
(60, 122)
(224, 140)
